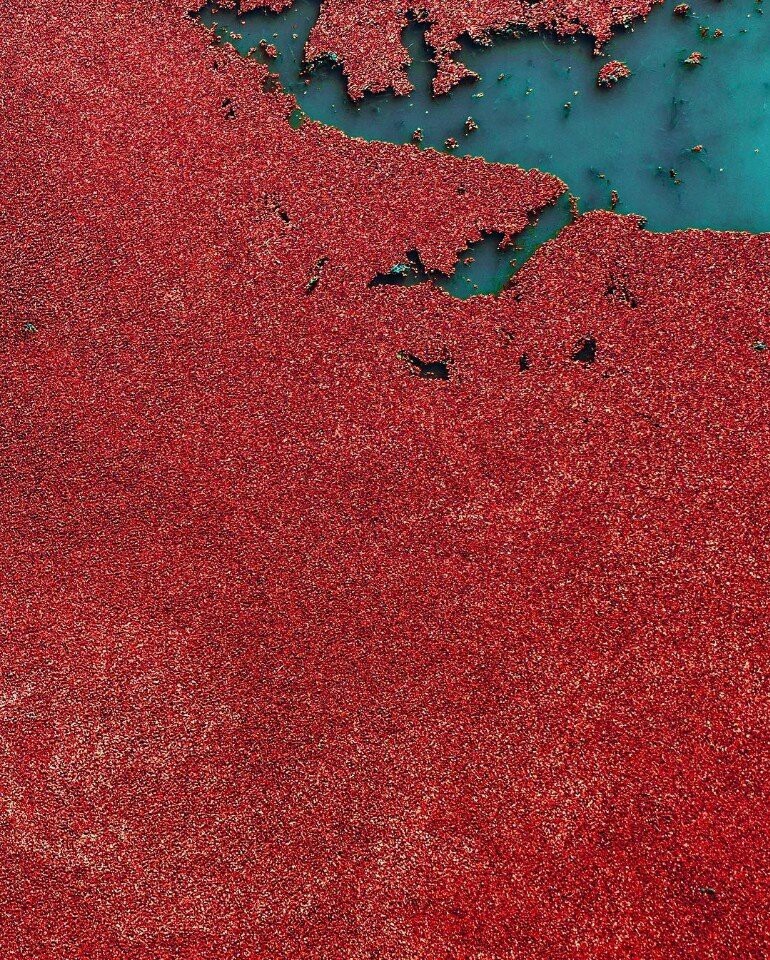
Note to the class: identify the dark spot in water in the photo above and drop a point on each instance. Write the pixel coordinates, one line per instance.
(273, 203)
(618, 290)
(586, 351)
(427, 369)
(316, 275)
(513, 287)
(675, 112)
(435, 370)
(524, 363)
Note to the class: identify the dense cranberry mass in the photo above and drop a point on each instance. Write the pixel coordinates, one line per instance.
(366, 35)
(313, 650)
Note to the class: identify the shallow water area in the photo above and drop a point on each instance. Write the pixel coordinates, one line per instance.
(537, 104)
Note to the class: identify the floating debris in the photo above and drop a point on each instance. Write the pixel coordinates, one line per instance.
(612, 72)
(471, 125)
(695, 59)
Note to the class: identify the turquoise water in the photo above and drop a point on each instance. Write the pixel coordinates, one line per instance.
(636, 138)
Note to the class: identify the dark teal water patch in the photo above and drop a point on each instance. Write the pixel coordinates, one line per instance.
(537, 104)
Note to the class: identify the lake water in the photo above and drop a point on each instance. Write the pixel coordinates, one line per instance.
(635, 138)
